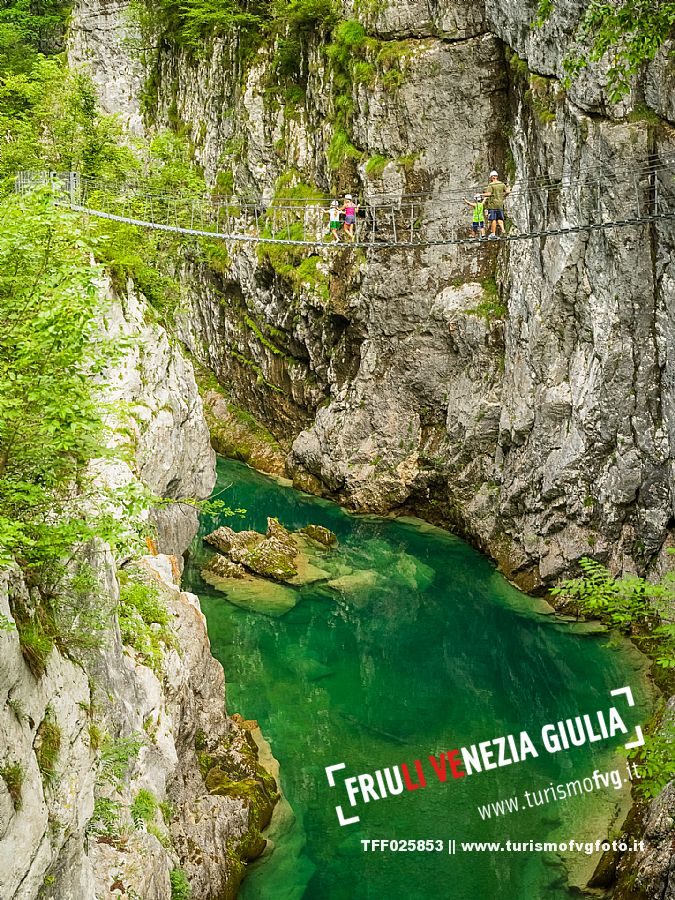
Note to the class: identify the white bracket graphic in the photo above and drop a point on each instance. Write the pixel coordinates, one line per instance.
(639, 736)
(627, 692)
(341, 817)
(330, 775)
(331, 769)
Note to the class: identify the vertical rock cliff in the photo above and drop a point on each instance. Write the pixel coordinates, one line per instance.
(521, 395)
(121, 772)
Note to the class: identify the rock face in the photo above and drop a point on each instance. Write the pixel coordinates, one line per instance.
(163, 427)
(521, 395)
(104, 759)
(647, 873)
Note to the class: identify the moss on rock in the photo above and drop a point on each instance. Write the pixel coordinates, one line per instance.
(320, 534)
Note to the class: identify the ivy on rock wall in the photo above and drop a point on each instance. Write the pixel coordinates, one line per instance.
(190, 22)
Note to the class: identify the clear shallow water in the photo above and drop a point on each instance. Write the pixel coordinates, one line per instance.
(423, 648)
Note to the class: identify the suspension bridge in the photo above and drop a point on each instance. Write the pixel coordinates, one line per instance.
(637, 194)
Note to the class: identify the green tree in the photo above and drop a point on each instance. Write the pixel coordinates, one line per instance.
(51, 418)
(646, 611)
(29, 28)
(49, 120)
(630, 32)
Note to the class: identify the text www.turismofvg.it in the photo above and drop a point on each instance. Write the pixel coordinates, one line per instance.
(556, 793)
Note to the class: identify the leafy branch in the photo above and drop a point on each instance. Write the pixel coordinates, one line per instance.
(628, 32)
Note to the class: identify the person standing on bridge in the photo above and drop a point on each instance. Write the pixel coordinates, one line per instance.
(478, 224)
(335, 220)
(350, 209)
(495, 195)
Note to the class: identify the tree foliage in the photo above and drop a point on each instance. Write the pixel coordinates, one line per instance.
(49, 119)
(628, 32)
(29, 28)
(647, 610)
(51, 421)
(630, 604)
(190, 22)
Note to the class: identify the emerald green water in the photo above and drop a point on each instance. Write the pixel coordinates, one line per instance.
(430, 650)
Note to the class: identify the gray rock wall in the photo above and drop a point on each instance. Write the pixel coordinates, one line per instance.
(525, 395)
(53, 842)
(536, 422)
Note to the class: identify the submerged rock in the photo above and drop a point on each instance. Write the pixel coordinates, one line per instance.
(356, 581)
(308, 573)
(320, 534)
(414, 573)
(256, 595)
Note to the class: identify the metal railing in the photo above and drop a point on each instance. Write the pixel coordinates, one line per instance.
(637, 194)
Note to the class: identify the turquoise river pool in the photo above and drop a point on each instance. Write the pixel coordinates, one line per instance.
(411, 644)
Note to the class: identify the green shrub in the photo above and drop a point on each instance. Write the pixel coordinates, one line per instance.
(629, 32)
(144, 807)
(656, 761)
(349, 37)
(13, 774)
(48, 747)
(17, 707)
(341, 148)
(180, 886)
(162, 836)
(393, 79)
(376, 166)
(167, 811)
(491, 306)
(115, 758)
(141, 609)
(36, 646)
(106, 817)
(644, 610)
(363, 72)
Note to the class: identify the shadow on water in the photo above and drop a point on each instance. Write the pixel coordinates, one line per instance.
(411, 644)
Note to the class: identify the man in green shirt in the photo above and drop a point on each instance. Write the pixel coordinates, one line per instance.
(495, 194)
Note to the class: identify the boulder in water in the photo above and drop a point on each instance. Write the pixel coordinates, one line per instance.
(224, 568)
(276, 554)
(320, 534)
(270, 558)
(277, 532)
(225, 540)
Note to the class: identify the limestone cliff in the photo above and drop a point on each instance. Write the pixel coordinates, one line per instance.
(522, 395)
(107, 747)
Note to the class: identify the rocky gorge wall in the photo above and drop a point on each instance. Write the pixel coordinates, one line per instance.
(522, 395)
(120, 774)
